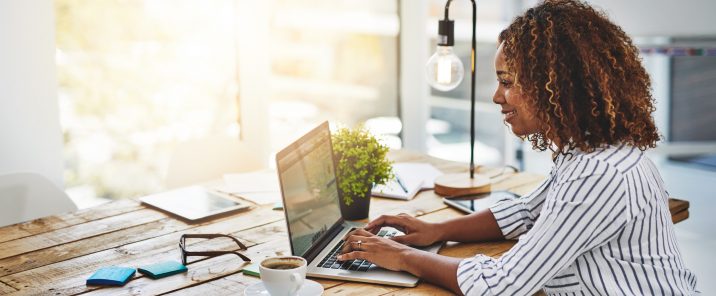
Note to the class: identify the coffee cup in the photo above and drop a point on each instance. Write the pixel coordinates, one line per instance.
(283, 275)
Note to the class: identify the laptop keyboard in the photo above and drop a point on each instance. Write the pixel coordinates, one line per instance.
(330, 261)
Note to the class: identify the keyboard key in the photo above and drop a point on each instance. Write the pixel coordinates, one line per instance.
(364, 267)
(346, 264)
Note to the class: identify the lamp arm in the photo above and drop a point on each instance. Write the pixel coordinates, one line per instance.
(473, 66)
(472, 82)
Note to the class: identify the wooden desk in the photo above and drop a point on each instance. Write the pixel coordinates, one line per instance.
(55, 255)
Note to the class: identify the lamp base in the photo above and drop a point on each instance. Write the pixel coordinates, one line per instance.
(461, 184)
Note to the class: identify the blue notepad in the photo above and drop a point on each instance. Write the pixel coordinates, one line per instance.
(111, 276)
(162, 269)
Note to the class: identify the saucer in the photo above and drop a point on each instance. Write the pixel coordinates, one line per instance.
(309, 288)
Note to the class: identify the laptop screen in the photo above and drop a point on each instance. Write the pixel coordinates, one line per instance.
(308, 184)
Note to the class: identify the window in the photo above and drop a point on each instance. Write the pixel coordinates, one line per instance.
(137, 77)
(331, 60)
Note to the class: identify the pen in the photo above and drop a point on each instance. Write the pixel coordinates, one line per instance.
(400, 182)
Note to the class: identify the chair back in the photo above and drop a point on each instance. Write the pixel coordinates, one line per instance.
(28, 196)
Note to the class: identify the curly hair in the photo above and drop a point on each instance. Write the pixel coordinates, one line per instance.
(583, 77)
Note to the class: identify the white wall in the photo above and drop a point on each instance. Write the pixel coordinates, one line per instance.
(658, 17)
(30, 134)
(662, 17)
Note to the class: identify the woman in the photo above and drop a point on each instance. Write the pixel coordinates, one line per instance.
(569, 81)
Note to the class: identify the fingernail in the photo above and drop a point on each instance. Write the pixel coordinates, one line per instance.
(340, 257)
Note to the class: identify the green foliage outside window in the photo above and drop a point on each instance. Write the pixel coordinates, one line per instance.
(361, 162)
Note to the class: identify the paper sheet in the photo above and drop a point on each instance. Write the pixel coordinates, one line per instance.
(414, 177)
(260, 187)
(416, 170)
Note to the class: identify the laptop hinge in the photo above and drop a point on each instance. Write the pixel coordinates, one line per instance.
(316, 249)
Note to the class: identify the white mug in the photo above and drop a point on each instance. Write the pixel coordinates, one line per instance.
(283, 275)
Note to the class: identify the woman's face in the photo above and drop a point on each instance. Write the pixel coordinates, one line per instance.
(515, 108)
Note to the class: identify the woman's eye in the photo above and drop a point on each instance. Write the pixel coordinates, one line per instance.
(504, 83)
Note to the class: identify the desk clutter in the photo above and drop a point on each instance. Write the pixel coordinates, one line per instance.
(409, 178)
(119, 276)
(262, 187)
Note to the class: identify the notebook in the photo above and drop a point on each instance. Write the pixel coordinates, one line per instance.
(410, 178)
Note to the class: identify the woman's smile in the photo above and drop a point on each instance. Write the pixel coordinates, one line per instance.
(509, 114)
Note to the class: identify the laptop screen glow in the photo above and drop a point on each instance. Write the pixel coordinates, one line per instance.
(308, 182)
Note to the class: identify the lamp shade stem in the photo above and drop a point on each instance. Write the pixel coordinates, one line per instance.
(472, 91)
(446, 32)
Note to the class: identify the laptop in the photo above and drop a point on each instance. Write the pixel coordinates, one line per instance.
(307, 175)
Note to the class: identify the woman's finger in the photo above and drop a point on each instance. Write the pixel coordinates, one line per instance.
(350, 241)
(361, 245)
(399, 222)
(348, 244)
(358, 231)
(374, 226)
(408, 239)
(363, 232)
(353, 256)
(349, 234)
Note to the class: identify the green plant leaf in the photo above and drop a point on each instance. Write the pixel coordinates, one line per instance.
(361, 160)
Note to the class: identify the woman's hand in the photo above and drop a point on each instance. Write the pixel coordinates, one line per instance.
(417, 232)
(384, 252)
(393, 255)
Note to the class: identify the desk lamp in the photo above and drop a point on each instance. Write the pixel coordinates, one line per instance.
(444, 72)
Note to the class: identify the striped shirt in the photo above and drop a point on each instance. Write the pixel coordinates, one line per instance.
(598, 225)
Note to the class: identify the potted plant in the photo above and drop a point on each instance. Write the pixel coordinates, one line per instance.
(361, 162)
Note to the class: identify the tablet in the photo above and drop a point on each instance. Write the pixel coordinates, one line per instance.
(473, 203)
(194, 203)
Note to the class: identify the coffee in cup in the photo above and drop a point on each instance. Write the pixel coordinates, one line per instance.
(283, 266)
(283, 275)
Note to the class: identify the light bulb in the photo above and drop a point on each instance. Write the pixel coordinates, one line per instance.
(444, 69)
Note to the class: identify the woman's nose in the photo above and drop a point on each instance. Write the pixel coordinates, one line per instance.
(498, 97)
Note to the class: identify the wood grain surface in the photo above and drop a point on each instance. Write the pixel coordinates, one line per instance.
(56, 254)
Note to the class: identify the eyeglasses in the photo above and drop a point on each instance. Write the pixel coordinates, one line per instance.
(185, 253)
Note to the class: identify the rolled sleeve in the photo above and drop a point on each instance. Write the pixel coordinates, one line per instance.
(469, 275)
(515, 216)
